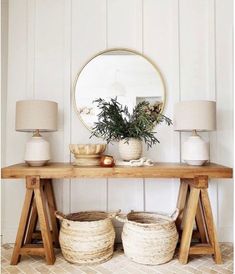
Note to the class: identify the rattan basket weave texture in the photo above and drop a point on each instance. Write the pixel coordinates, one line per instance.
(149, 238)
(86, 238)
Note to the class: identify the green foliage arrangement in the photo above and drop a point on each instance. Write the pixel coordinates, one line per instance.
(115, 122)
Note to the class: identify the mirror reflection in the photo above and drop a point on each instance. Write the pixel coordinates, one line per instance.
(124, 74)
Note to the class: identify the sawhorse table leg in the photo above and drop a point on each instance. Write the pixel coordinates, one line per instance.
(194, 205)
(39, 195)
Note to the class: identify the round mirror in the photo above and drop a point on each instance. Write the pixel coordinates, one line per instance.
(124, 74)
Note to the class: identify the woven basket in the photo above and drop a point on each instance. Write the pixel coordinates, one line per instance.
(149, 238)
(87, 237)
(130, 149)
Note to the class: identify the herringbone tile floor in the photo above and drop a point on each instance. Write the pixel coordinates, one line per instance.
(119, 264)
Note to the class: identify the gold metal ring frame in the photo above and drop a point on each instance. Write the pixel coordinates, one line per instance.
(111, 50)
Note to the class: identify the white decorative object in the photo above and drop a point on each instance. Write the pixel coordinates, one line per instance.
(37, 148)
(36, 116)
(195, 116)
(87, 154)
(130, 149)
(140, 162)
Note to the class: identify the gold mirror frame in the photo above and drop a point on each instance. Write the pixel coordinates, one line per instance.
(110, 50)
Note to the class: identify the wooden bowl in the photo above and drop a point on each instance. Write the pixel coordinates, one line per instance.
(87, 154)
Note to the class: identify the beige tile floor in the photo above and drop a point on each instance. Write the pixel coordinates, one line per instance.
(119, 264)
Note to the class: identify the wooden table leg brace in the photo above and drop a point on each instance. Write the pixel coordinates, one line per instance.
(39, 195)
(194, 205)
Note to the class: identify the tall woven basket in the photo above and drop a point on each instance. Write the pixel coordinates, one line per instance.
(149, 238)
(86, 237)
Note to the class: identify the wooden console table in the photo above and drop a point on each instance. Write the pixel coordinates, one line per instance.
(193, 203)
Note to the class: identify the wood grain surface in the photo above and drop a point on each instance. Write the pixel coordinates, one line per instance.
(158, 170)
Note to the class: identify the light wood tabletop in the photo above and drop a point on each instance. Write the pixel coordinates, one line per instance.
(158, 170)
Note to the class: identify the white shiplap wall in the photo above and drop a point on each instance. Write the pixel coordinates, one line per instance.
(49, 42)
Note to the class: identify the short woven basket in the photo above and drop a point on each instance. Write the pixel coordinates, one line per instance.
(130, 149)
(149, 238)
(86, 238)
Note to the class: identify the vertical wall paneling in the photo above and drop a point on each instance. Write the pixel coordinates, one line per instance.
(211, 48)
(198, 60)
(225, 132)
(124, 30)
(30, 61)
(194, 49)
(49, 71)
(194, 61)
(124, 24)
(161, 44)
(197, 47)
(88, 194)
(88, 38)
(17, 86)
(211, 95)
(67, 100)
(4, 65)
(51, 40)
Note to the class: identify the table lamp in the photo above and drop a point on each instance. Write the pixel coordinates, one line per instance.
(195, 116)
(36, 116)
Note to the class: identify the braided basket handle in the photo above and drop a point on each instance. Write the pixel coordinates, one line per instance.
(122, 218)
(114, 214)
(175, 215)
(59, 215)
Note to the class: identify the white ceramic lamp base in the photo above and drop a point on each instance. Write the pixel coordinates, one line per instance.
(37, 151)
(195, 151)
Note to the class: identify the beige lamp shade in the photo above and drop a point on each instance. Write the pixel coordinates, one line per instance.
(36, 114)
(195, 115)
